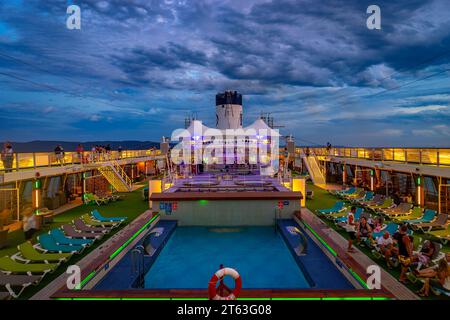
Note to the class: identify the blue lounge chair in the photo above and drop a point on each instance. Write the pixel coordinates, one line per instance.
(97, 216)
(47, 243)
(61, 239)
(391, 228)
(338, 206)
(428, 216)
(346, 192)
(356, 216)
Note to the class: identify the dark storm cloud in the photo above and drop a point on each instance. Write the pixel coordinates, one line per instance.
(306, 60)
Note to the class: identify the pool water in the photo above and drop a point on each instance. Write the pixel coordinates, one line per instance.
(193, 254)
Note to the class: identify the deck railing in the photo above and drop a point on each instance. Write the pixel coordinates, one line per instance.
(24, 161)
(425, 156)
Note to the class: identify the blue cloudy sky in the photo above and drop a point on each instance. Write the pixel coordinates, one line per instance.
(138, 67)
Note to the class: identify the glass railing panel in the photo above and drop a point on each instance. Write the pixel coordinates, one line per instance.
(377, 154)
(444, 157)
(361, 153)
(388, 154)
(429, 156)
(42, 159)
(413, 155)
(25, 160)
(399, 154)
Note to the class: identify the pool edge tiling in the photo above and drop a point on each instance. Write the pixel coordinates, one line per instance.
(115, 279)
(316, 266)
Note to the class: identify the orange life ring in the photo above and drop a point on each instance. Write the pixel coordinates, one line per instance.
(212, 290)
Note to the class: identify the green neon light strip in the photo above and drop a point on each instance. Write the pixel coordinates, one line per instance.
(89, 276)
(115, 253)
(320, 239)
(361, 281)
(241, 299)
(355, 275)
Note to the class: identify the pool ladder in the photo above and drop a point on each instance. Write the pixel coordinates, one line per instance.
(137, 265)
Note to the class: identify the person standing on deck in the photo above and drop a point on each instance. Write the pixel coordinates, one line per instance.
(29, 225)
(350, 227)
(80, 151)
(7, 157)
(405, 251)
(59, 154)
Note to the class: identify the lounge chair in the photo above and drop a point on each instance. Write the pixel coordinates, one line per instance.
(90, 198)
(437, 255)
(387, 203)
(97, 216)
(356, 195)
(81, 225)
(343, 219)
(48, 244)
(61, 239)
(14, 280)
(367, 197)
(428, 216)
(415, 213)
(9, 266)
(439, 223)
(390, 227)
(28, 254)
(376, 200)
(95, 223)
(442, 235)
(400, 210)
(70, 231)
(342, 192)
(337, 207)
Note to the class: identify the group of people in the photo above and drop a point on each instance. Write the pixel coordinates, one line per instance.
(400, 247)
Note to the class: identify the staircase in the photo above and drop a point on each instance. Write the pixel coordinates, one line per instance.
(116, 176)
(312, 164)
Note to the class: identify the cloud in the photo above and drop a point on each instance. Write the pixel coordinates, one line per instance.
(314, 65)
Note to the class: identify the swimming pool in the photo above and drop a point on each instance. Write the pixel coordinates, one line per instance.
(193, 254)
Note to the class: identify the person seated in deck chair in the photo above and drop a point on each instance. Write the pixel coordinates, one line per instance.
(426, 253)
(363, 230)
(386, 245)
(350, 227)
(437, 277)
(405, 251)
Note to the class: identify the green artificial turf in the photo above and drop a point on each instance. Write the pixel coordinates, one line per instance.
(131, 206)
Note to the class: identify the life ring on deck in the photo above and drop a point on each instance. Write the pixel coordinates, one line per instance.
(214, 293)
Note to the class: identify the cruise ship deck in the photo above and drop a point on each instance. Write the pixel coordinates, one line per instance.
(230, 205)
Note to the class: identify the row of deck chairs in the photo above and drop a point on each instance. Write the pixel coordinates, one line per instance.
(32, 262)
(421, 220)
(100, 199)
(338, 214)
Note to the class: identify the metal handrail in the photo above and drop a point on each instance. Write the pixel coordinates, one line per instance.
(426, 156)
(34, 160)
